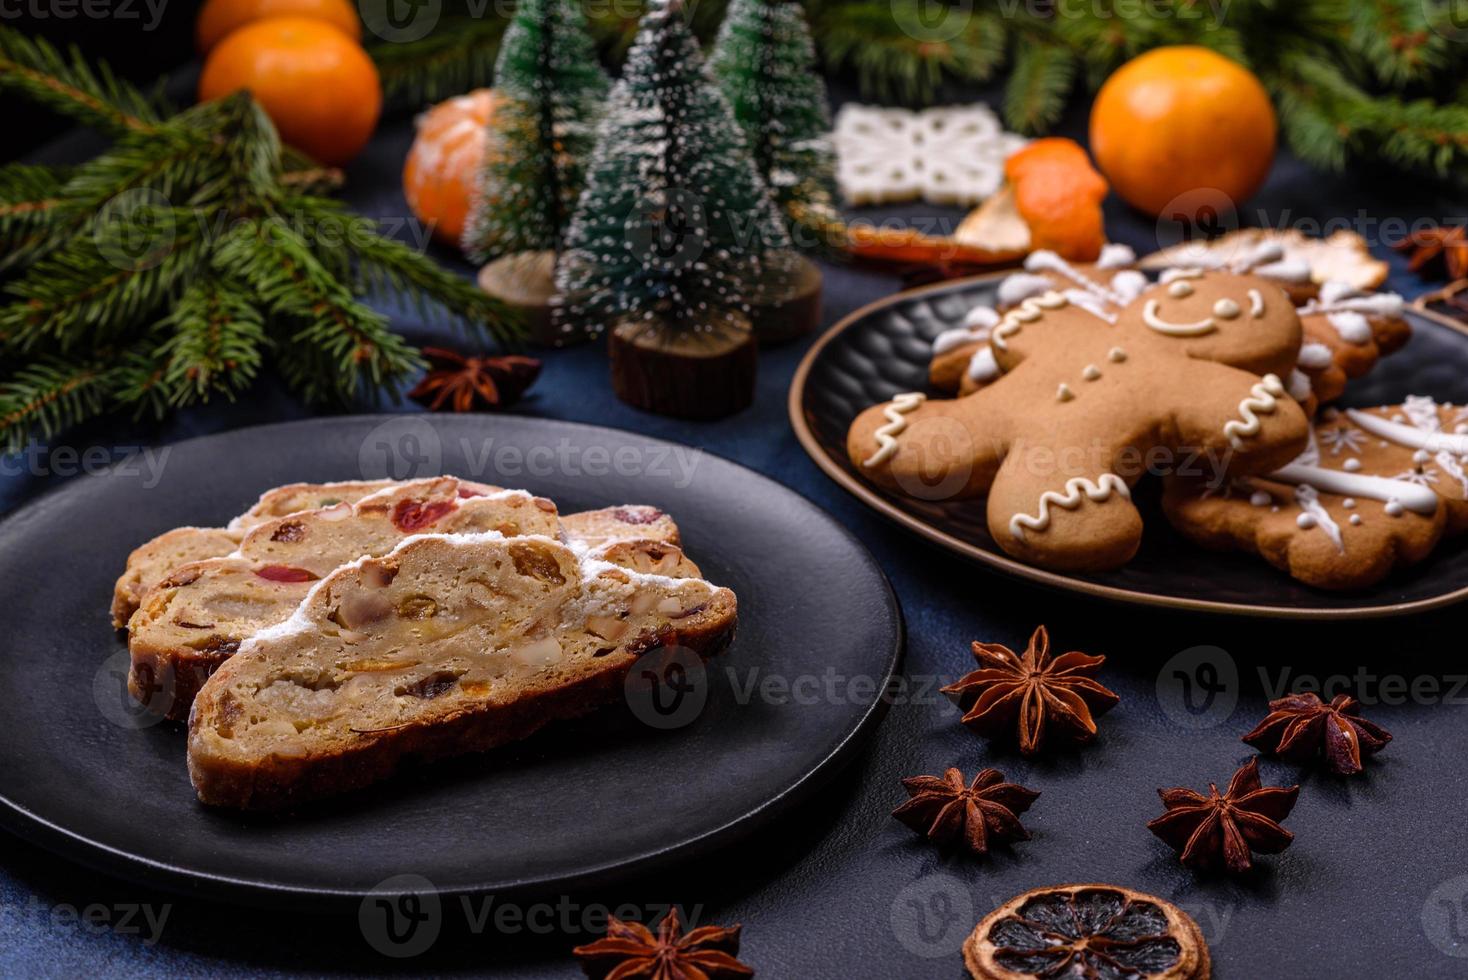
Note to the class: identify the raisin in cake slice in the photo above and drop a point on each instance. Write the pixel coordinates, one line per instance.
(446, 646)
(151, 562)
(198, 616)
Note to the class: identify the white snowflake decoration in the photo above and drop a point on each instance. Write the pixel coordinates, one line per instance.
(950, 155)
(1423, 477)
(1343, 439)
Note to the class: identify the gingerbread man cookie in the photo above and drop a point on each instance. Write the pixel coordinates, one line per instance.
(1265, 258)
(1346, 333)
(1083, 408)
(961, 359)
(1374, 491)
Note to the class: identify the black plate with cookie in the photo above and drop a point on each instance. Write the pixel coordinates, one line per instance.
(633, 788)
(885, 348)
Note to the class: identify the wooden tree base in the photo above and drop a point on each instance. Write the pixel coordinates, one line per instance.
(788, 304)
(682, 373)
(526, 282)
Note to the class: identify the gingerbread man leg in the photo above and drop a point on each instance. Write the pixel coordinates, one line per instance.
(1070, 518)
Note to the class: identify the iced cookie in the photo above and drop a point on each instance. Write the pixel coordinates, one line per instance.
(1374, 492)
(1083, 408)
(1100, 289)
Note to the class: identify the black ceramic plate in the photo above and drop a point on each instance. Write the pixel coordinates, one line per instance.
(573, 807)
(885, 348)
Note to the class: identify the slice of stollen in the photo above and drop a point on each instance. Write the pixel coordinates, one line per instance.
(446, 646)
(151, 561)
(197, 617)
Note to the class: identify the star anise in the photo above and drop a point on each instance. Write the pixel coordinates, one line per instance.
(1441, 245)
(1032, 693)
(1301, 726)
(465, 383)
(631, 951)
(1216, 830)
(978, 816)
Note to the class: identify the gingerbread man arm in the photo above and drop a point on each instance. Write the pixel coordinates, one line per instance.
(1246, 423)
(932, 450)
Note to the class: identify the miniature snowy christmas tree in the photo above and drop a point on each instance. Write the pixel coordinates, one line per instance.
(552, 93)
(765, 62)
(672, 233)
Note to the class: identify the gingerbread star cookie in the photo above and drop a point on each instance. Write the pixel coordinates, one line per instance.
(1083, 408)
(1374, 492)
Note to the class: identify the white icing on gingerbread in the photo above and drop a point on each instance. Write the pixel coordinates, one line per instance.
(1185, 272)
(1422, 411)
(1115, 256)
(1116, 355)
(1408, 435)
(982, 366)
(1315, 515)
(1195, 329)
(1180, 289)
(1261, 399)
(1028, 312)
(1045, 260)
(1414, 498)
(1017, 288)
(1299, 385)
(1352, 327)
(1226, 309)
(976, 326)
(1091, 372)
(896, 414)
(1077, 488)
(1337, 297)
(1314, 356)
(1063, 393)
(1256, 303)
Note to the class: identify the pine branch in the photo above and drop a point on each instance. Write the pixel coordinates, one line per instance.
(97, 285)
(388, 268)
(458, 55)
(1039, 84)
(334, 345)
(48, 395)
(215, 339)
(32, 67)
(894, 58)
(30, 202)
(1394, 37)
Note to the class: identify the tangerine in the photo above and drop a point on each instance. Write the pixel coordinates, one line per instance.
(220, 18)
(442, 169)
(1182, 119)
(318, 86)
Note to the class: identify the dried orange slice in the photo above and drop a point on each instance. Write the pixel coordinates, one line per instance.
(1087, 931)
(1058, 194)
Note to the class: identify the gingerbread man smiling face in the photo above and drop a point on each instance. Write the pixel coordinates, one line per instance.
(1082, 408)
